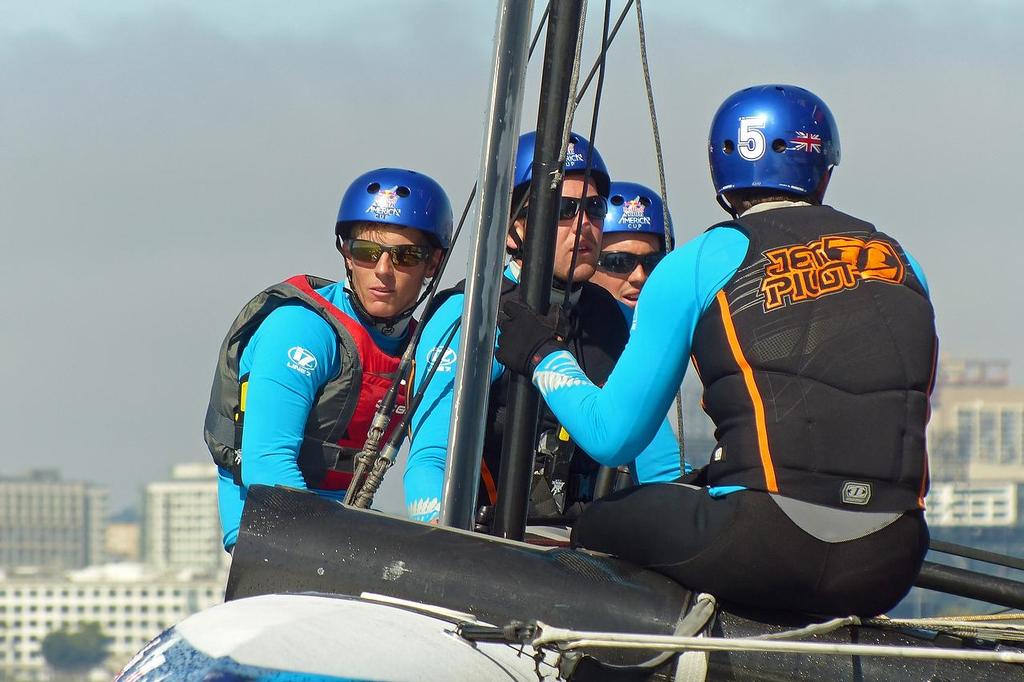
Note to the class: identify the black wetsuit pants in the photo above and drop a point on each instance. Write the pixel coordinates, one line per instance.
(746, 551)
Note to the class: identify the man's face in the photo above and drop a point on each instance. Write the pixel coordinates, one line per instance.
(626, 286)
(387, 288)
(590, 234)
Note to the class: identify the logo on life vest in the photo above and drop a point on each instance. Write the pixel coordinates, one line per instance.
(447, 360)
(633, 214)
(833, 263)
(385, 204)
(855, 492)
(301, 360)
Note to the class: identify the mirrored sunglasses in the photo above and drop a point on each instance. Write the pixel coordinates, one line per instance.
(405, 255)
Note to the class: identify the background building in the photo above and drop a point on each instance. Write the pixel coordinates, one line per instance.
(181, 524)
(976, 452)
(977, 424)
(123, 541)
(47, 522)
(131, 603)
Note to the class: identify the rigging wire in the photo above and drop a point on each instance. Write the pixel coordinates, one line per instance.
(363, 498)
(669, 236)
(600, 57)
(364, 461)
(565, 639)
(590, 151)
(367, 462)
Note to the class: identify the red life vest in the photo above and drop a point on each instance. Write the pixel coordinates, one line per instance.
(341, 415)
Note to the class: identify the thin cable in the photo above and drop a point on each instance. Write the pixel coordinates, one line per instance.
(590, 153)
(540, 28)
(363, 498)
(566, 640)
(600, 57)
(669, 236)
(570, 112)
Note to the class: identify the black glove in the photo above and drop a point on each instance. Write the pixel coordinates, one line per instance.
(526, 338)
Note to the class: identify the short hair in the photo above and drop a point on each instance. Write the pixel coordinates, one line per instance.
(742, 200)
(369, 225)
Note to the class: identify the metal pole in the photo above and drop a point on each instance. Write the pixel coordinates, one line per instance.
(517, 453)
(971, 584)
(483, 277)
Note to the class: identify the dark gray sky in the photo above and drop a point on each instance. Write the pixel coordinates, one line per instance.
(160, 162)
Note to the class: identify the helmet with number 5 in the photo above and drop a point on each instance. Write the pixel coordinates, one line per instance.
(772, 136)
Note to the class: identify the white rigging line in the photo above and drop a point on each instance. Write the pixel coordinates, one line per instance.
(565, 640)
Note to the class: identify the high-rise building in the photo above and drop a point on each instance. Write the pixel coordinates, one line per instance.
(181, 525)
(978, 420)
(47, 522)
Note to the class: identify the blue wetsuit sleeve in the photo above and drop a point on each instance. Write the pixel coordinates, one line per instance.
(428, 452)
(292, 355)
(660, 460)
(917, 271)
(673, 300)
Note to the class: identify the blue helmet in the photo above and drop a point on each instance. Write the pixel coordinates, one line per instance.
(773, 136)
(633, 207)
(575, 161)
(399, 197)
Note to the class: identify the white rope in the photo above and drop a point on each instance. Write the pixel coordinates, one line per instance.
(816, 629)
(962, 628)
(571, 639)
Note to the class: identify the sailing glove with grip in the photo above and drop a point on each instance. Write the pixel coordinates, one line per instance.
(526, 338)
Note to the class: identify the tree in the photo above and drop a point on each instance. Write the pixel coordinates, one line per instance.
(67, 651)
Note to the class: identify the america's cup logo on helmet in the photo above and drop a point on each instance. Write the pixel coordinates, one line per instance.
(573, 157)
(634, 213)
(385, 204)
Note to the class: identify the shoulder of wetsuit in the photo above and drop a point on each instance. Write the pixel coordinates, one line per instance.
(440, 298)
(459, 288)
(734, 223)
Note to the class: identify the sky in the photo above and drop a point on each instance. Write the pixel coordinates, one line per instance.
(162, 161)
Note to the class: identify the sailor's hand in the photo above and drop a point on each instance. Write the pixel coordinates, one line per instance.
(526, 337)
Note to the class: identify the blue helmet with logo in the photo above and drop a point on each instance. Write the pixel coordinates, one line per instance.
(632, 207)
(772, 136)
(399, 197)
(575, 161)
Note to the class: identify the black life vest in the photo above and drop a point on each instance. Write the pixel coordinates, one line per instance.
(817, 360)
(340, 417)
(598, 335)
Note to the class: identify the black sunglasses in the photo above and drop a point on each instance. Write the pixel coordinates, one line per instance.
(625, 263)
(405, 255)
(596, 207)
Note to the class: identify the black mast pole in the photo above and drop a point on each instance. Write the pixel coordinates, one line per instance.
(516, 471)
